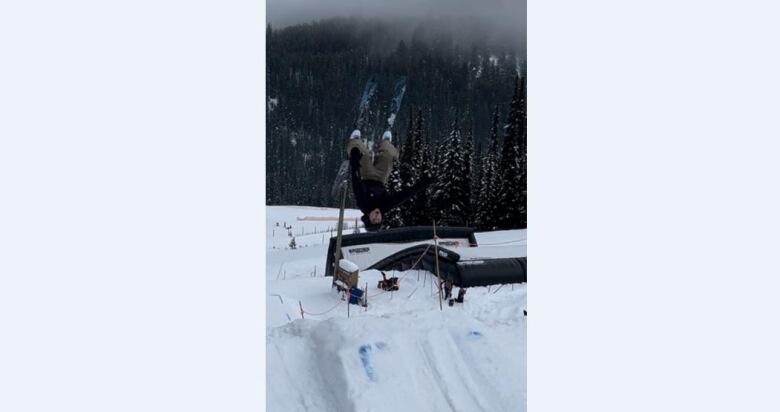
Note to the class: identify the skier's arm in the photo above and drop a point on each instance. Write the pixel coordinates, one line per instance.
(396, 199)
(357, 183)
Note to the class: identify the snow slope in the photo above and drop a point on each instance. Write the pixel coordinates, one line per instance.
(400, 353)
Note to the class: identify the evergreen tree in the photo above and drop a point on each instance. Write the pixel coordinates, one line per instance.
(408, 170)
(489, 179)
(316, 72)
(451, 195)
(393, 217)
(422, 201)
(511, 203)
(415, 211)
(468, 155)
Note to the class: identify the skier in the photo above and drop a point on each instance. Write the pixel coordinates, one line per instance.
(461, 295)
(368, 179)
(447, 288)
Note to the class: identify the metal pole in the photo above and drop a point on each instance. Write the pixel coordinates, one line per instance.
(436, 251)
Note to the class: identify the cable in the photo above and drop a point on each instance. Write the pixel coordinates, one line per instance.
(322, 313)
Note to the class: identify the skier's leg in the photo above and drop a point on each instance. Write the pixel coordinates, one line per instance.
(383, 160)
(366, 168)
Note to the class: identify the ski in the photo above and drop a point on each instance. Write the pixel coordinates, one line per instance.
(365, 100)
(399, 89)
(395, 104)
(342, 176)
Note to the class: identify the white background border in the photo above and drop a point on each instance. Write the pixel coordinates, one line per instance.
(132, 179)
(132, 221)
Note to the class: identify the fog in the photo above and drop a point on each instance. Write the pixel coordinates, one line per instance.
(501, 18)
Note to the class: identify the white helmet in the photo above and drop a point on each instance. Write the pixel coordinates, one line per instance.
(355, 134)
(387, 135)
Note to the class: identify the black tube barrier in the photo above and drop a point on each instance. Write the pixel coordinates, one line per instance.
(398, 235)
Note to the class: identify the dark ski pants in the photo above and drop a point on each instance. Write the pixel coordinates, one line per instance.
(378, 170)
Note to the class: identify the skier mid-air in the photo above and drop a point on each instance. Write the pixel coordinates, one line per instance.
(369, 179)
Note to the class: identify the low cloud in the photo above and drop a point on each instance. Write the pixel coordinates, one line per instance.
(506, 18)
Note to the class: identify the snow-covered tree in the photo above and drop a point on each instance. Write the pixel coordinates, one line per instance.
(511, 201)
(408, 171)
(415, 210)
(393, 216)
(424, 214)
(468, 161)
(489, 178)
(451, 195)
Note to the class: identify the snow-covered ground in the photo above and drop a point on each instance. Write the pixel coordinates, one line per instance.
(401, 352)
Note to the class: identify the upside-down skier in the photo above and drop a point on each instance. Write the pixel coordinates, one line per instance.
(369, 179)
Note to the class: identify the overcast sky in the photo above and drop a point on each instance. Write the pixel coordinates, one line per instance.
(509, 14)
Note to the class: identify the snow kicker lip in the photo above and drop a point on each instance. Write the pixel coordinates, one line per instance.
(456, 236)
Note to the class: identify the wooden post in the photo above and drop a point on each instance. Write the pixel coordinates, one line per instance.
(365, 293)
(338, 235)
(301, 306)
(436, 250)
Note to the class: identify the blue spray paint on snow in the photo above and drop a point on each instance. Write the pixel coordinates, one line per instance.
(365, 358)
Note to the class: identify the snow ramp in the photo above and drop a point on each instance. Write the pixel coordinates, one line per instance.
(425, 361)
(366, 249)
